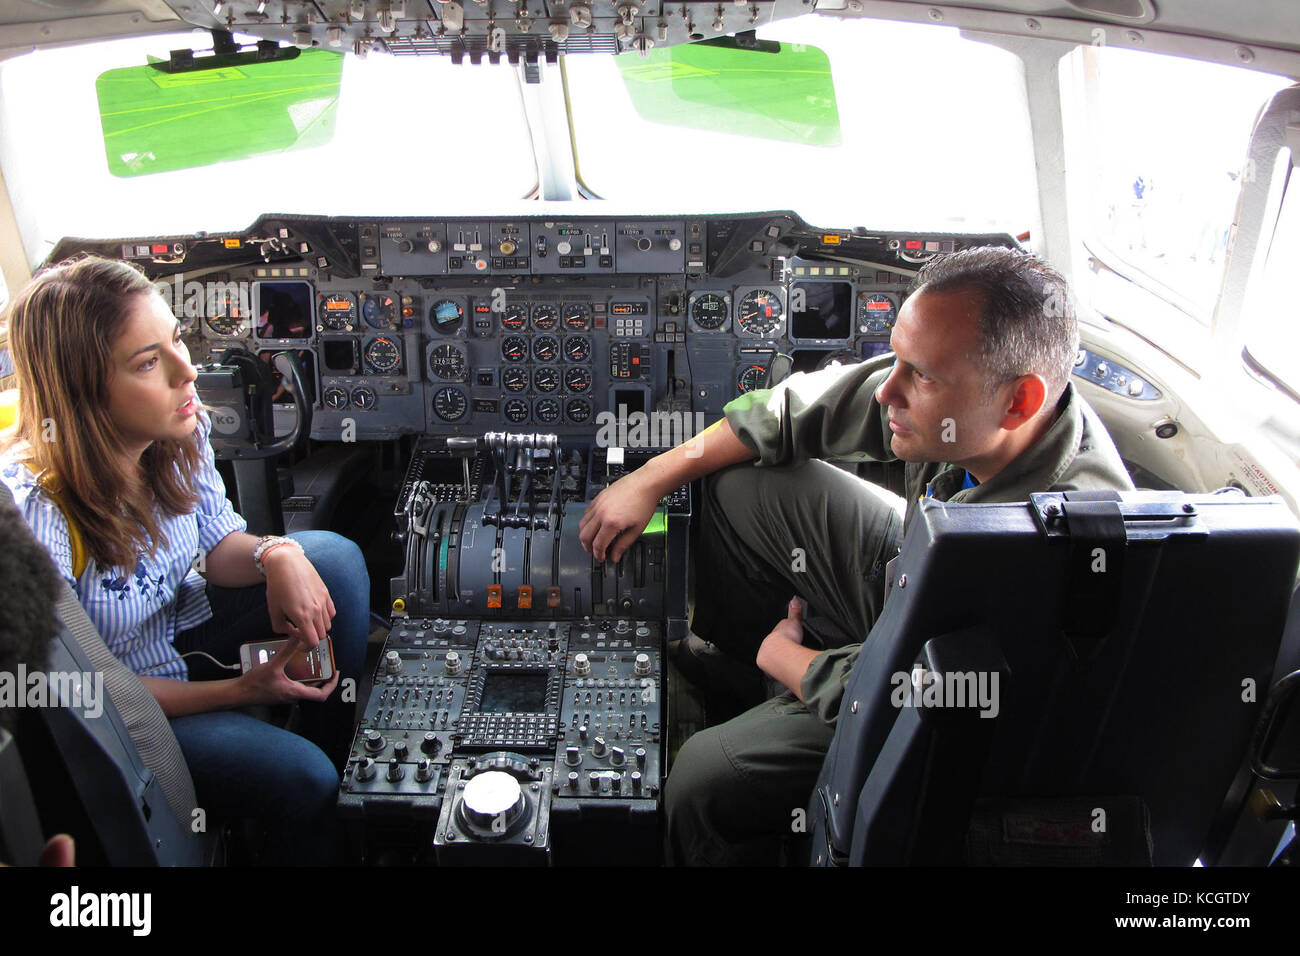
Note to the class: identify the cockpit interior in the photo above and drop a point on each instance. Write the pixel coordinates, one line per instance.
(448, 269)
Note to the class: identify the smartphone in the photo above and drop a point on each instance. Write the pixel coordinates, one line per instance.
(308, 667)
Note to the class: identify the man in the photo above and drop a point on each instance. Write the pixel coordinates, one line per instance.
(980, 407)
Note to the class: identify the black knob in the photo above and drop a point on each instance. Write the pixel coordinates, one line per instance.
(400, 750)
(430, 744)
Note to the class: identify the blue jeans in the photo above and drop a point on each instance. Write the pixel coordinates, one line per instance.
(245, 767)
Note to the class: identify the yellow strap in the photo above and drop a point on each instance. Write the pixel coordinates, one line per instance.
(8, 407)
(79, 557)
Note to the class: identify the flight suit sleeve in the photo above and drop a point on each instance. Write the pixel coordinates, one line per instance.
(832, 413)
(823, 682)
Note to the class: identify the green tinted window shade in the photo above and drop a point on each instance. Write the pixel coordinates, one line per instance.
(156, 122)
(785, 96)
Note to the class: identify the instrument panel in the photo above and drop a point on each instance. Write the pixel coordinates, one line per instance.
(459, 326)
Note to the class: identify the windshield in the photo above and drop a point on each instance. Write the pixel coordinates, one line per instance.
(410, 133)
(934, 135)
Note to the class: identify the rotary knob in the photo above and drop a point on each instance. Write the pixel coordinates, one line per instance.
(400, 750)
(581, 666)
(642, 666)
(366, 769)
(573, 780)
(395, 771)
(430, 744)
(639, 753)
(617, 756)
(392, 662)
(492, 801)
(674, 244)
(644, 243)
(374, 741)
(424, 770)
(452, 662)
(563, 247)
(573, 756)
(434, 246)
(507, 247)
(598, 747)
(623, 626)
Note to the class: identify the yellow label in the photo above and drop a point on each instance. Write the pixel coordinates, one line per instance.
(830, 240)
(233, 243)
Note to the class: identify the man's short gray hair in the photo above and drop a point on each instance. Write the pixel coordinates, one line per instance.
(1028, 322)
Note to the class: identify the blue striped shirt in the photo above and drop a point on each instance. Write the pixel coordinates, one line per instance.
(138, 614)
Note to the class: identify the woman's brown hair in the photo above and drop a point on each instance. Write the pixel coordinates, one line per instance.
(62, 327)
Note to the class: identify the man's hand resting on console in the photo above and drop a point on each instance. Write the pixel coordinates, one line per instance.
(782, 655)
(618, 515)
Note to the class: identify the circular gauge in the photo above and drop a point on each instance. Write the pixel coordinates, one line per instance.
(750, 378)
(577, 316)
(447, 361)
(514, 348)
(335, 398)
(446, 316)
(363, 397)
(545, 317)
(227, 322)
(546, 378)
(546, 348)
(381, 311)
(383, 355)
(547, 410)
(514, 378)
(514, 318)
(709, 311)
(759, 312)
(337, 311)
(516, 410)
(578, 409)
(450, 404)
(577, 379)
(876, 312)
(577, 348)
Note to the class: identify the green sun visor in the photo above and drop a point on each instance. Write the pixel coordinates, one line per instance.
(782, 94)
(155, 121)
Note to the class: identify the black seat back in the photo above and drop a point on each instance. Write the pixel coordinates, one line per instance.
(1133, 642)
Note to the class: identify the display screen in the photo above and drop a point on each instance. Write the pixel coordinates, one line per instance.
(514, 692)
(826, 313)
(284, 310)
(872, 349)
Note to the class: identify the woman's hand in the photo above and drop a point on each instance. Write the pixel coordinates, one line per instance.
(296, 597)
(269, 684)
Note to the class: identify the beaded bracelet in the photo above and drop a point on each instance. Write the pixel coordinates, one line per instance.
(267, 543)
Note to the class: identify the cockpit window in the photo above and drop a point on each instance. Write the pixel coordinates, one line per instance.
(1161, 147)
(410, 133)
(934, 134)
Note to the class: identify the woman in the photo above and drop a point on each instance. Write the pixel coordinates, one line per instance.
(111, 447)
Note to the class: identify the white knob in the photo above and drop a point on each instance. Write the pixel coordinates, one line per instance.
(563, 247)
(392, 662)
